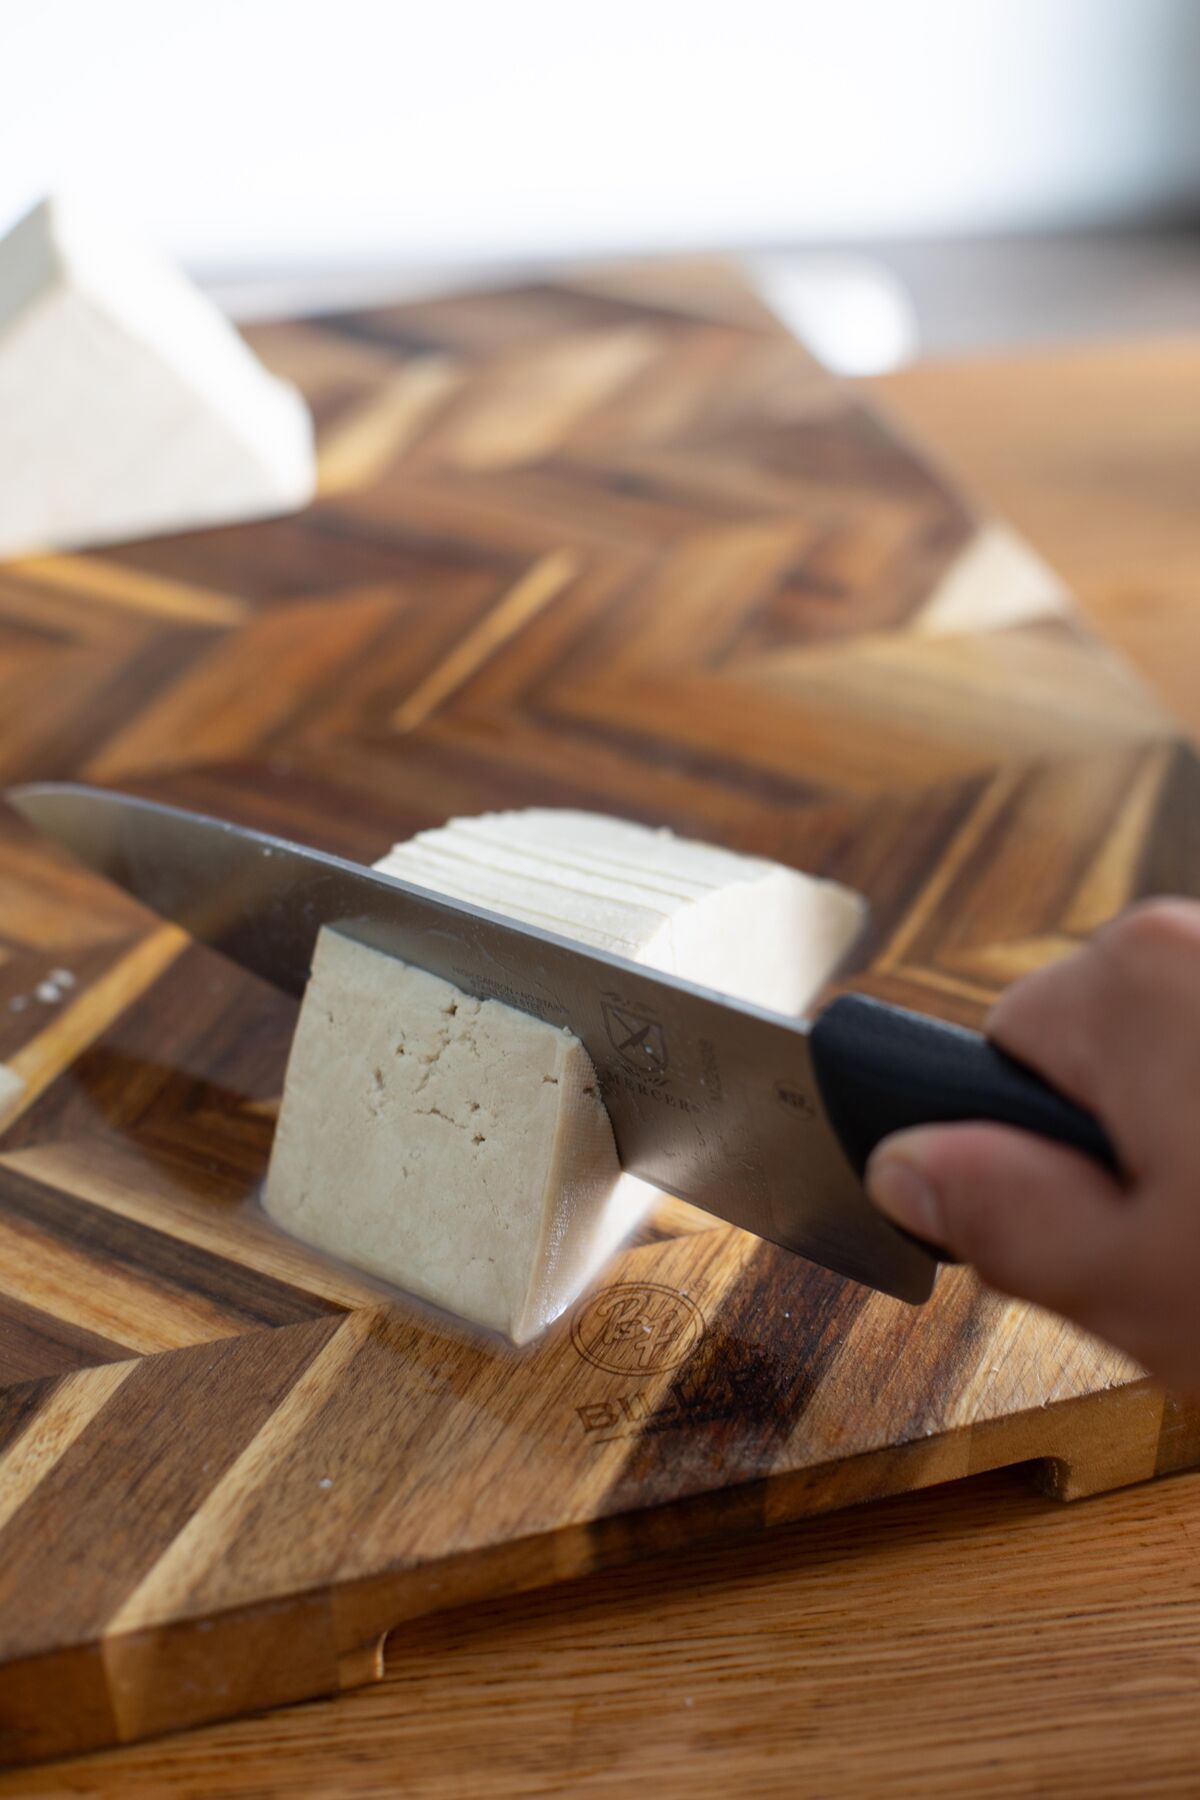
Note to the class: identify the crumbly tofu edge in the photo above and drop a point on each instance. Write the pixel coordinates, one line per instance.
(579, 1203)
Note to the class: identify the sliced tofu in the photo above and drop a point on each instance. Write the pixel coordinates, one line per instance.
(128, 404)
(745, 926)
(459, 1148)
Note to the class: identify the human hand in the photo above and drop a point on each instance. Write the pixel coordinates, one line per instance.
(1116, 1026)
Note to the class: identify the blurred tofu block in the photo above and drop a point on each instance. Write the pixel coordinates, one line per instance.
(129, 405)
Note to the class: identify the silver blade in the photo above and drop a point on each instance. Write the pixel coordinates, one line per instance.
(710, 1099)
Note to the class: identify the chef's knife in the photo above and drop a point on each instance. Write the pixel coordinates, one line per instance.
(764, 1120)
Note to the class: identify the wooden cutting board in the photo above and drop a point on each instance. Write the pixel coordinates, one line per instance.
(614, 543)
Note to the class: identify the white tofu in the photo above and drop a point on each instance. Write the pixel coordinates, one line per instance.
(460, 1148)
(748, 927)
(129, 405)
(453, 1146)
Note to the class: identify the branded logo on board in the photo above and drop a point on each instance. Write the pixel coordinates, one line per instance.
(639, 1041)
(637, 1328)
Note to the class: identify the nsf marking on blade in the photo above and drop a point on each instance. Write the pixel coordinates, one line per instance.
(795, 1100)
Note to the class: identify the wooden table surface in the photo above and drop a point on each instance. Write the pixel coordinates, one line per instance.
(976, 1638)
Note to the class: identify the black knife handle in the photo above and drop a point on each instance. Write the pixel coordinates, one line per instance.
(881, 1069)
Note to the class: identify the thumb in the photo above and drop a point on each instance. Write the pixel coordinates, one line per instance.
(1037, 1220)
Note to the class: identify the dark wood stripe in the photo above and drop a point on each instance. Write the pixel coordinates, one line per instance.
(57, 746)
(20, 627)
(21, 974)
(19, 1406)
(173, 1073)
(888, 844)
(387, 329)
(945, 1345)
(848, 449)
(412, 549)
(586, 307)
(1076, 853)
(164, 1262)
(739, 1395)
(304, 557)
(144, 1463)
(34, 1344)
(480, 324)
(1170, 862)
(650, 750)
(350, 799)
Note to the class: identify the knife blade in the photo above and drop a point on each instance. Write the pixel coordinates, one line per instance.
(763, 1120)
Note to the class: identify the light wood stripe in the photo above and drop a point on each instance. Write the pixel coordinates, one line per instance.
(996, 965)
(1109, 878)
(949, 869)
(88, 1290)
(163, 1593)
(529, 401)
(12, 1086)
(76, 1400)
(248, 684)
(529, 1433)
(1010, 1376)
(941, 981)
(76, 1025)
(108, 1175)
(117, 584)
(535, 590)
(463, 1425)
(358, 448)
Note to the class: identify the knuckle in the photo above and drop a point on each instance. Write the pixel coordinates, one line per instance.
(1150, 929)
(1039, 1016)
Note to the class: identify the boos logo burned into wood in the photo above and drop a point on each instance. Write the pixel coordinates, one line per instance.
(637, 1328)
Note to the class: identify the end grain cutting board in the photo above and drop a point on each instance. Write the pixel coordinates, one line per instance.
(615, 543)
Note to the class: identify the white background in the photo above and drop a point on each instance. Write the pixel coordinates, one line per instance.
(244, 135)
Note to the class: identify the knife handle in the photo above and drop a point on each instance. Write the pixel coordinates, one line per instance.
(881, 1069)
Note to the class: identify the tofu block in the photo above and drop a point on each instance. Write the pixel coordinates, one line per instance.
(459, 1148)
(129, 405)
(745, 926)
(454, 1146)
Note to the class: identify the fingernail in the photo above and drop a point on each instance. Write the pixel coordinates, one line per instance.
(902, 1192)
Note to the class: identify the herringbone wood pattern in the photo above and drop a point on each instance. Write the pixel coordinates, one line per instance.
(615, 543)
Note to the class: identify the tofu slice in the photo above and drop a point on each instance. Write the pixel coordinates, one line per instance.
(129, 405)
(459, 1148)
(745, 926)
